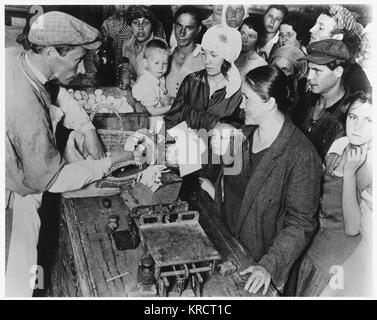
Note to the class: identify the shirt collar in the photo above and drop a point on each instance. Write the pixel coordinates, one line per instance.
(36, 72)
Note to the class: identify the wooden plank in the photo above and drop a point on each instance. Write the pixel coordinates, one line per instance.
(103, 260)
(78, 253)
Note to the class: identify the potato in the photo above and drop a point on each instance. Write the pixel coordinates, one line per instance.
(98, 92)
(87, 107)
(117, 102)
(110, 99)
(84, 95)
(70, 91)
(103, 110)
(91, 96)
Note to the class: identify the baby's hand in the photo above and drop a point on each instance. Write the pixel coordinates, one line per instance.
(166, 100)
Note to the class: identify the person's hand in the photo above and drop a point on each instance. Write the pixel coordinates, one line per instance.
(207, 186)
(354, 158)
(73, 149)
(121, 155)
(92, 145)
(166, 101)
(259, 277)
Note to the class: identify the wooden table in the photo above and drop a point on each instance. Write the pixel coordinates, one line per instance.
(87, 255)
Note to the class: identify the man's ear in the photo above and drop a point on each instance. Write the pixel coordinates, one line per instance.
(337, 36)
(271, 103)
(199, 29)
(338, 71)
(50, 52)
(145, 63)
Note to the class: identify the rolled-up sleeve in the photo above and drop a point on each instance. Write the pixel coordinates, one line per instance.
(75, 116)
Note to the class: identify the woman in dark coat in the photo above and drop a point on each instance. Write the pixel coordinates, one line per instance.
(211, 94)
(271, 205)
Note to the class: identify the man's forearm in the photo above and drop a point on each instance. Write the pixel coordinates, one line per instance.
(74, 176)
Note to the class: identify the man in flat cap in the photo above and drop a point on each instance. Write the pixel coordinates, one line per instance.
(33, 163)
(336, 22)
(319, 113)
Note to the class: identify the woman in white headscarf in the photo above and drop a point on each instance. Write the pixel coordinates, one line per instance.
(211, 94)
(233, 15)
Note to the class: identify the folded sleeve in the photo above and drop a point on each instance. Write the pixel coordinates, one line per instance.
(75, 116)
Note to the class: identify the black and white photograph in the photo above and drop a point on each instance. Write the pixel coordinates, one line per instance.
(188, 151)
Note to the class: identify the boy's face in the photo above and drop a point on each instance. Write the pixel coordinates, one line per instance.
(157, 62)
(272, 20)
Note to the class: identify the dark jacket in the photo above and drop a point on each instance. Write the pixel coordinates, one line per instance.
(277, 217)
(329, 126)
(356, 79)
(194, 105)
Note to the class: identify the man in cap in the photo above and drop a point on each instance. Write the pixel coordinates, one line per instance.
(336, 22)
(319, 114)
(33, 162)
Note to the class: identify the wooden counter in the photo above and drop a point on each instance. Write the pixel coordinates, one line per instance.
(87, 254)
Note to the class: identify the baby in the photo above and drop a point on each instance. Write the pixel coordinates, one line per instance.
(150, 88)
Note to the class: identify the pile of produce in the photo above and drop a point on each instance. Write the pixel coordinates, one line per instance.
(99, 103)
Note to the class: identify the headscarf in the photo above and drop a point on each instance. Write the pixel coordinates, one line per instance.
(225, 7)
(292, 54)
(345, 20)
(227, 43)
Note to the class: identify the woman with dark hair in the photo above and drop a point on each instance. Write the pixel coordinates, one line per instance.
(143, 25)
(294, 32)
(270, 205)
(251, 30)
(213, 93)
(339, 259)
(187, 27)
(272, 20)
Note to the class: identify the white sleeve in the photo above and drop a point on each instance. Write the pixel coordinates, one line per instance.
(74, 176)
(75, 116)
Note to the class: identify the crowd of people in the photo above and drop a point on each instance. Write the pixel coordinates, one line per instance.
(292, 101)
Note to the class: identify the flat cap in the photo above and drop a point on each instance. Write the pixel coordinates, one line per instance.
(325, 51)
(58, 28)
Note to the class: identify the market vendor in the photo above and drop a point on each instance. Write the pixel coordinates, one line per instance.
(33, 163)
